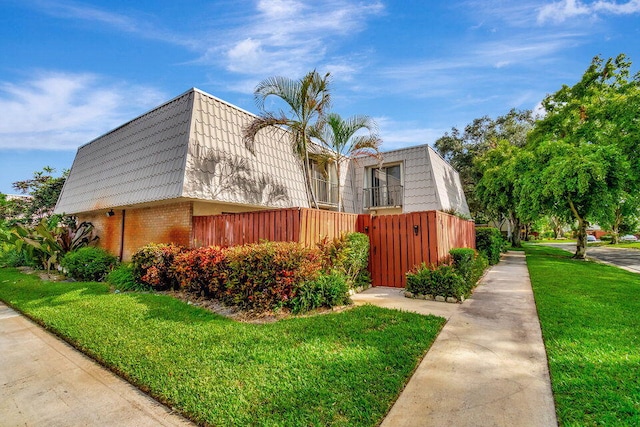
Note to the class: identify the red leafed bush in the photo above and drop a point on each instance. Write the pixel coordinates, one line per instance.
(202, 270)
(152, 265)
(267, 275)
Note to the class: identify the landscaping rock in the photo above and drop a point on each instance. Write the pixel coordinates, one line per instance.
(440, 298)
(408, 294)
(452, 299)
(420, 296)
(430, 297)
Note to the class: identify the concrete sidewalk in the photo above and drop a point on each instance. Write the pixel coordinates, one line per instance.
(46, 382)
(488, 366)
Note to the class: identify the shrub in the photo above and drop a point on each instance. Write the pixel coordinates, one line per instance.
(442, 280)
(463, 261)
(122, 279)
(202, 270)
(152, 265)
(327, 290)
(16, 258)
(606, 238)
(489, 241)
(348, 255)
(480, 264)
(89, 264)
(264, 276)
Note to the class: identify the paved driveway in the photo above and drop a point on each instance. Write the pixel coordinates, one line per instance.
(626, 258)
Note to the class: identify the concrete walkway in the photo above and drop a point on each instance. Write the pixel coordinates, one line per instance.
(488, 366)
(46, 382)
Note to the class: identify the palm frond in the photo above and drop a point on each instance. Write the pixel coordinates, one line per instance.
(250, 131)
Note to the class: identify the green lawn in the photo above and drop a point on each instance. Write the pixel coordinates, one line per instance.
(590, 316)
(342, 369)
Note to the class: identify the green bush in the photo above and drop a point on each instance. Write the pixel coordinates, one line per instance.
(349, 256)
(266, 276)
(122, 279)
(606, 238)
(328, 290)
(463, 261)
(480, 264)
(442, 280)
(489, 241)
(89, 264)
(469, 264)
(152, 265)
(16, 258)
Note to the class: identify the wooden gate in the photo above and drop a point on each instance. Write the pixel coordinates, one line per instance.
(400, 242)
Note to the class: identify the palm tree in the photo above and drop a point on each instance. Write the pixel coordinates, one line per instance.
(307, 99)
(339, 136)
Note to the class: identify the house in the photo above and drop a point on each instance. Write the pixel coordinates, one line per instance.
(145, 180)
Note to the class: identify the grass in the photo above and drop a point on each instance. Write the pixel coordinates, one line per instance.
(342, 369)
(591, 329)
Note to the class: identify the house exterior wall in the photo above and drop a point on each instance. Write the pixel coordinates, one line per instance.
(417, 180)
(169, 223)
(220, 167)
(429, 183)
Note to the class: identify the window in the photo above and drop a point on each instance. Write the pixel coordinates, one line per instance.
(385, 187)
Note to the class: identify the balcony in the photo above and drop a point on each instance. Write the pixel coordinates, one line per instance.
(326, 193)
(385, 196)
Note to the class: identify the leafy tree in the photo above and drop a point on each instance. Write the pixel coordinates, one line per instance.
(340, 137)
(582, 157)
(498, 184)
(43, 189)
(461, 148)
(307, 100)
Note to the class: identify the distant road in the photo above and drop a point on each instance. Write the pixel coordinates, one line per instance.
(629, 259)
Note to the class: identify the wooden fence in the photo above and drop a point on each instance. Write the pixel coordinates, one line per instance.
(400, 242)
(397, 242)
(307, 226)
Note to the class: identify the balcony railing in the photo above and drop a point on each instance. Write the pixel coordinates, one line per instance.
(385, 196)
(326, 192)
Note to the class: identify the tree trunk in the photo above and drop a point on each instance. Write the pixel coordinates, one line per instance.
(615, 232)
(516, 238)
(310, 194)
(339, 192)
(581, 244)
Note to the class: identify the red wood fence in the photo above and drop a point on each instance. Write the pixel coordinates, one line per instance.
(307, 226)
(397, 242)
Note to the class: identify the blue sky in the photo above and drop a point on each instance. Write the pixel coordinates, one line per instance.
(72, 70)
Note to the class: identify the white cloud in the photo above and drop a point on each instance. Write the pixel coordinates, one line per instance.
(400, 134)
(566, 9)
(288, 37)
(60, 111)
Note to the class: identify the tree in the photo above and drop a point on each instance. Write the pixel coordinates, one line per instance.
(43, 188)
(582, 153)
(339, 136)
(497, 186)
(307, 100)
(460, 149)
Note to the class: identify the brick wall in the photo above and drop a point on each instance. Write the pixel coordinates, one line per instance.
(169, 223)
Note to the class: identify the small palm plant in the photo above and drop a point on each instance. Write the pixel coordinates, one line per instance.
(340, 136)
(307, 100)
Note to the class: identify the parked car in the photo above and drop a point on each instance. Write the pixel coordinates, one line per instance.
(591, 238)
(629, 238)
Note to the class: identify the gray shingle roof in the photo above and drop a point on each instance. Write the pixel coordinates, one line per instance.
(190, 147)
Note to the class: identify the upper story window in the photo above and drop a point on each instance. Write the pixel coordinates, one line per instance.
(324, 182)
(385, 187)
